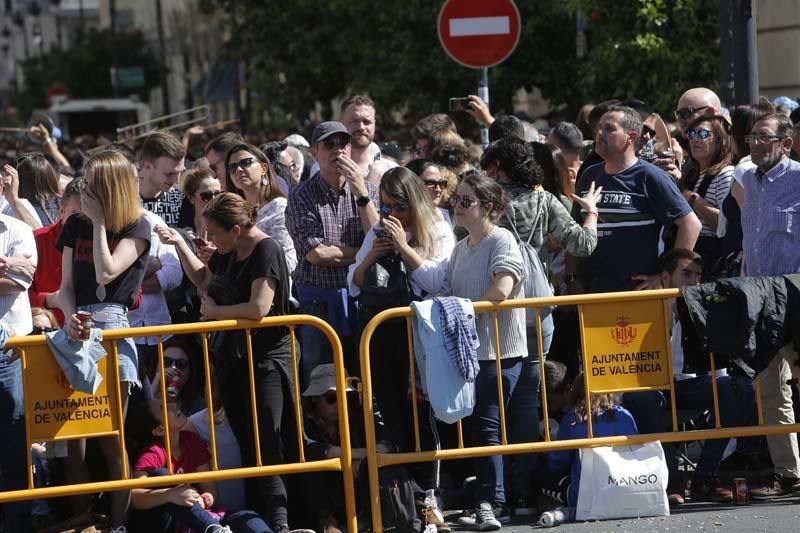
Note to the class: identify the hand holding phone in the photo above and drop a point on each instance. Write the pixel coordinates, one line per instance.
(460, 104)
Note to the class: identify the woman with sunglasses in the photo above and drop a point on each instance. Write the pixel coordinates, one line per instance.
(250, 174)
(709, 182)
(200, 185)
(184, 379)
(248, 273)
(104, 256)
(412, 228)
(439, 181)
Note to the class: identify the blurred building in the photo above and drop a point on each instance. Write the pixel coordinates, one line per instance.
(778, 55)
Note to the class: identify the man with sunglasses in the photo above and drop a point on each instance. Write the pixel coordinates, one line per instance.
(770, 229)
(327, 217)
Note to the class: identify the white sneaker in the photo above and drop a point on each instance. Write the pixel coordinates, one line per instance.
(216, 528)
(484, 518)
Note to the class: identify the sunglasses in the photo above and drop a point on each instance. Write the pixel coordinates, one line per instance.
(435, 184)
(647, 130)
(387, 209)
(336, 142)
(206, 196)
(701, 134)
(180, 364)
(247, 162)
(330, 397)
(686, 112)
(464, 201)
(38, 330)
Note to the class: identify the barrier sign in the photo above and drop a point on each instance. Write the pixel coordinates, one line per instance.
(54, 409)
(626, 345)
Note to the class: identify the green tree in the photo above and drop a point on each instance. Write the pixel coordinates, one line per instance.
(301, 52)
(85, 68)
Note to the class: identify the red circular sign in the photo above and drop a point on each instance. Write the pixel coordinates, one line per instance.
(481, 33)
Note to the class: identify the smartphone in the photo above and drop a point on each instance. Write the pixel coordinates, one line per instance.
(459, 104)
(380, 231)
(199, 243)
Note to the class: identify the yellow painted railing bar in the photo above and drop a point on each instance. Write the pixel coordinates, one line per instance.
(28, 455)
(326, 465)
(543, 385)
(460, 434)
(668, 343)
(298, 410)
(114, 372)
(758, 401)
(497, 362)
(369, 416)
(212, 432)
(632, 389)
(587, 394)
(164, 416)
(714, 389)
(346, 460)
(413, 375)
(251, 372)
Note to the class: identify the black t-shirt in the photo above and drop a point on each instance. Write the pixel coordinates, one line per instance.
(168, 205)
(77, 234)
(266, 261)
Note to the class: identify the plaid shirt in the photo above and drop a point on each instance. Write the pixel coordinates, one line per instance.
(316, 215)
(771, 220)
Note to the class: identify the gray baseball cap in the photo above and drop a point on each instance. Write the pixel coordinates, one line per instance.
(326, 129)
(322, 380)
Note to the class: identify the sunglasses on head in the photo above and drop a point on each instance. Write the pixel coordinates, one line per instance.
(686, 112)
(206, 196)
(336, 142)
(180, 364)
(464, 201)
(247, 162)
(700, 133)
(387, 209)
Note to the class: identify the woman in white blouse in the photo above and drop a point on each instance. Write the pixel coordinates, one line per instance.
(412, 227)
(250, 174)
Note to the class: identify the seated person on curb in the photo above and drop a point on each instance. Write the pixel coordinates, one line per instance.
(159, 509)
(678, 268)
(562, 478)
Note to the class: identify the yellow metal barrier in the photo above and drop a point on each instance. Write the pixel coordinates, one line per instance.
(622, 318)
(35, 355)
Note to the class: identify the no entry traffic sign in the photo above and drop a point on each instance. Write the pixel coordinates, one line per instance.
(479, 33)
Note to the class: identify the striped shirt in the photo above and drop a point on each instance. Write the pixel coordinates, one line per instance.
(718, 189)
(635, 204)
(771, 220)
(316, 214)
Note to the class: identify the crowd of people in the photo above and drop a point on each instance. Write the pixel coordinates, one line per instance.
(341, 228)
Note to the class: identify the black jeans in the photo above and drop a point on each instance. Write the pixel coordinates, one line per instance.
(273, 402)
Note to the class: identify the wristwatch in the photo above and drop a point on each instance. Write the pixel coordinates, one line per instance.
(362, 201)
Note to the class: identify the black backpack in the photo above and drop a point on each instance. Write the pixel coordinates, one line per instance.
(385, 286)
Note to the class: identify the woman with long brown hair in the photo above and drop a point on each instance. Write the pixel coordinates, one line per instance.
(38, 183)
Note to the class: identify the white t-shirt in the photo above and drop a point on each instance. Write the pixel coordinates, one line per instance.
(5, 208)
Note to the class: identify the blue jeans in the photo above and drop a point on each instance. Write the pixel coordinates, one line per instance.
(523, 410)
(115, 316)
(736, 400)
(486, 425)
(13, 449)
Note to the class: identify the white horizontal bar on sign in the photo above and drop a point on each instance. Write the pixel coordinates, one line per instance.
(473, 26)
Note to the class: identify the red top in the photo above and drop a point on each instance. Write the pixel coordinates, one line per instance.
(47, 277)
(195, 454)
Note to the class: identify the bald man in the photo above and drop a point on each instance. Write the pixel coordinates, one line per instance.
(695, 103)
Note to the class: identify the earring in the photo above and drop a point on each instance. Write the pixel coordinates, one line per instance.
(264, 180)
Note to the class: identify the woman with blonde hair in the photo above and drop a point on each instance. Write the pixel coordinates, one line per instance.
(413, 238)
(104, 254)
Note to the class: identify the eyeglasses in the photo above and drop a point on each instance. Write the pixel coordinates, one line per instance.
(762, 138)
(701, 133)
(686, 112)
(330, 397)
(386, 209)
(435, 184)
(464, 201)
(336, 142)
(247, 162)
(180, 364)
(206, 196)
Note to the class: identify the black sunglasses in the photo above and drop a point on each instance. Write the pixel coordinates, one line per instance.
(435, 184)
(387, 209)
(464, 201)
(180, 364)
(336, 142)
(38, 330)
(206, 196)
(686, 112)
(247, 162)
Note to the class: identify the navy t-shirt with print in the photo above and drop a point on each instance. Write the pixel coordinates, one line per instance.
(635, 205)
(77, 234)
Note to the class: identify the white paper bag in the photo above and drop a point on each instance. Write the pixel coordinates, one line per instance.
(622, 482)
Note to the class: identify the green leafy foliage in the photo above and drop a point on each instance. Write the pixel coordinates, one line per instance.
(84, 69)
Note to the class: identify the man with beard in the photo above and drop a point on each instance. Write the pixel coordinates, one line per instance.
(327, 216)
(638, 200)
(770, 227)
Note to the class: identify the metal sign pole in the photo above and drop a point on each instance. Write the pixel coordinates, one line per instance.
(483, 94)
